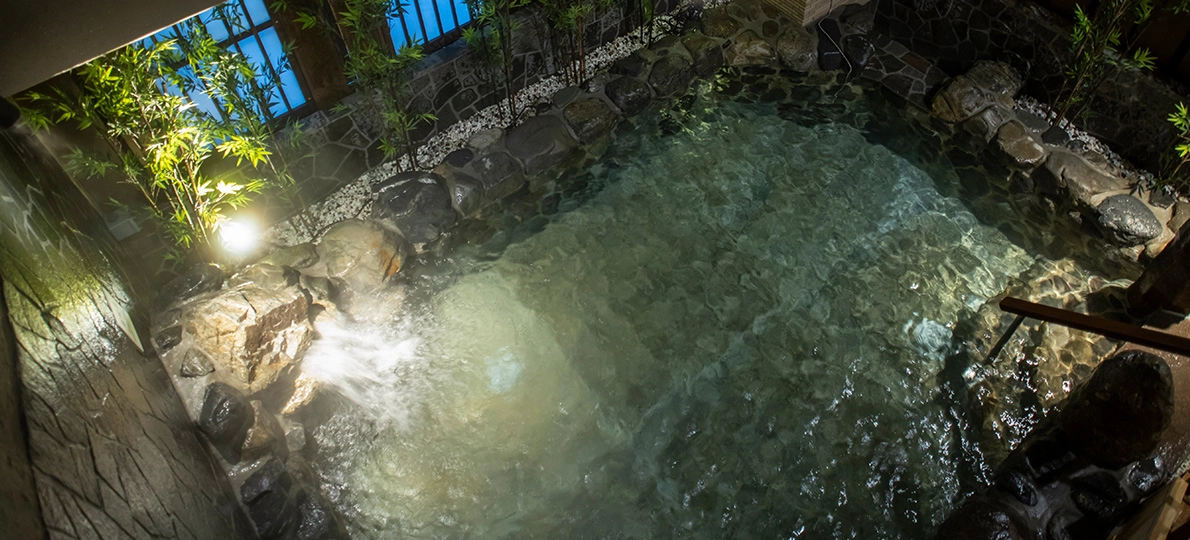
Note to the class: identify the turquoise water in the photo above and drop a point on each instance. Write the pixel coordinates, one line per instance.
(734, 324)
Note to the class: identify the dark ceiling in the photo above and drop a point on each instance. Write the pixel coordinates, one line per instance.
(42, 38)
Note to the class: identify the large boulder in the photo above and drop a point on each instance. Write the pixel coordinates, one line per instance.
(707, 53)
(417, 203)
(749, 49)
(671, 73)
(225, 418)
(1066, 173)
(498, 173)
(859, 50)
(298, 257)
(1126, 220)
(252, 332)
(629, 94)
(718, 23)
(1018, 144)
(1118, 416)
(466, 191)
(986, 84)
(540, 143)
(361, 254)
(797, 49)
(316, 518)
(590, 118)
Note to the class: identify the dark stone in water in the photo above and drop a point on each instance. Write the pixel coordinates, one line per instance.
(830, 57)
(193, 282)
(1047, 456)
(706, 52)
(1021, 183)
(266, 494)
(225, 418)
(1147, 475)
(417, 202)
(540, 143)
(316, 517)
(1099, 495)
(981, 518)
(628, 94)
(168, 338)
(859, 51)
(1127, 220)
(1161, 198)
(1118, 416)
(1019, 485)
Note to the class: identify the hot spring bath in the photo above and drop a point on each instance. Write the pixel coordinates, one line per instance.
(733, 325)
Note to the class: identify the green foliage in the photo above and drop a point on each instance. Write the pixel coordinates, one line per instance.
(374, 67)
(1105, 46)
(491, 36)
(160, 139)
(1176, 173)
(568, 20)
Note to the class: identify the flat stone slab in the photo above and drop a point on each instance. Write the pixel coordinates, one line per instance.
(1064, 172)
(1016, 142)
(629, 94)
(499, 174)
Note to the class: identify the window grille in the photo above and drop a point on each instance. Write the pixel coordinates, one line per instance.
(246, 28)
(432, 23)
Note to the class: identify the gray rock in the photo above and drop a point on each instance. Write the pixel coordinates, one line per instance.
(417, 202)
(316, 517)
(958, 100)
(797, 49)
(987, 122)
(633, 65)
(671, 74)
(1161, 198)
(980, 518)
(299, 257)
(748, 49)
(459, 158)
(858, 50)
(1066, 173)
(1099, 496)
(466, 191)
(540, 143)
(499, 174)
(998, 80)
(264, 276)
(1119, 414)
(1148, 475)
(1181, 214)
(707, 53)
(1125, 219)
(1019, 486)
(590, 119)
(563, 97)
(196, 364)
(362, 254)
(264, 436)
(485, 141)
(200, 279)
(224, 419)
(861, 20)
(295, 437)
(718, 23)
(1016, 142)
(628, 94)
(266, 495)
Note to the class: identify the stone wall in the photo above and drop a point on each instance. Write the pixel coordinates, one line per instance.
(1131, 110)
(112, 452)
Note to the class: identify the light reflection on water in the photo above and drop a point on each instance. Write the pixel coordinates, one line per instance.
(737, 329)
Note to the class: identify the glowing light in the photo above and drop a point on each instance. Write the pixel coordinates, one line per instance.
(239, 236)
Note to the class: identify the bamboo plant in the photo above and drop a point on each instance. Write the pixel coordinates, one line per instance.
(160, 140)
(491, 37)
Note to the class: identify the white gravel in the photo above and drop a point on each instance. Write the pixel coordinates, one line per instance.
(354, 200)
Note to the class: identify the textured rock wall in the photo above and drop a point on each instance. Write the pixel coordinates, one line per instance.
(18, 496)
(113, 454)
(1130, 110)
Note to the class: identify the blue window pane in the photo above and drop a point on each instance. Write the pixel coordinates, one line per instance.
(462, 13)
(398, 34)
(257, 11)
(288, 80)
(427, 15)
(252, 52)
(448, 21)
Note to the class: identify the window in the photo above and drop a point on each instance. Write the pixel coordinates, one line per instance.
(247, 28)
(428, 22)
